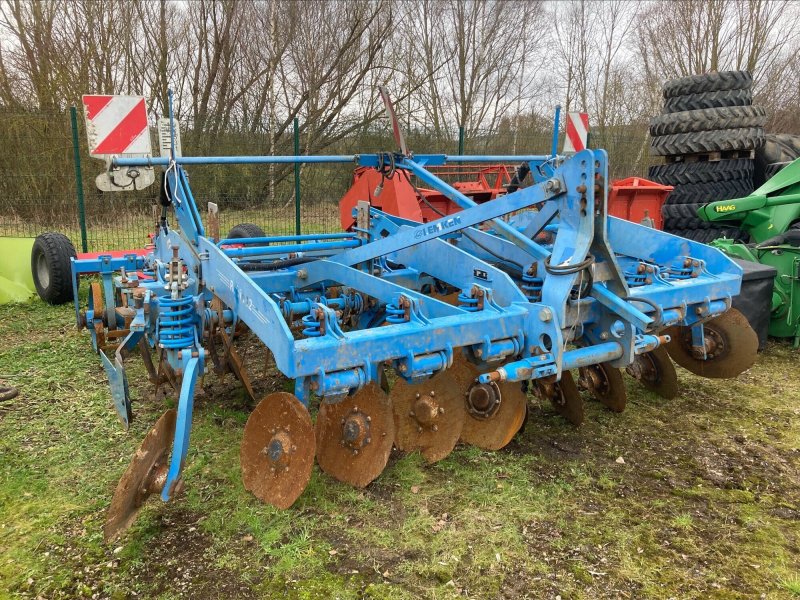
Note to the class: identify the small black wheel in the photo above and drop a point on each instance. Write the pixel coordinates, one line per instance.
(8, 392)
(51, 269)
(246, 230)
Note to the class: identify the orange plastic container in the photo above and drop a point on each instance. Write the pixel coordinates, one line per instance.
(635, 199)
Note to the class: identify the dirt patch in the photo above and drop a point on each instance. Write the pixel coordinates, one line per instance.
(180, 561)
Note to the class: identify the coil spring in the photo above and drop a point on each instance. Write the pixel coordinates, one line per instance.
(679, 273)
(532, 287)
(467, 302)
(395, 314)
(635, 279)
(176, 321)
(311, 325)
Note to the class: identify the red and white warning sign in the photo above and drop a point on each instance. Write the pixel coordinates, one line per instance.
(116, 125)
(577, 132)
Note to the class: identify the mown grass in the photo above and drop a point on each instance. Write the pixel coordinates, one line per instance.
(705, 504)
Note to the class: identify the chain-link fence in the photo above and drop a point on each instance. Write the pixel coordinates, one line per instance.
(39, 188)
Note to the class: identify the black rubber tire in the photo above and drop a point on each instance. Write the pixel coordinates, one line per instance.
(708, 119)
(705, 236)
(746, 138)
(708, 82)
(703, 193)
(680, 173)
(777, 148)
(772, 169)
(682, 216)
(8, 392)
(708, 100)
(50, 267)
(245, 230)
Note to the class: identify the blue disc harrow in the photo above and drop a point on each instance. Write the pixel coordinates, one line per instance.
(467, 314)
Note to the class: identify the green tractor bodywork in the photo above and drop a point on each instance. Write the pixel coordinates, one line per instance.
(785, 309)
(771, 215)
(768, 211)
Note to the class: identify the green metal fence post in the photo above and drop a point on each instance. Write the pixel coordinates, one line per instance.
(73, 116)
(297, 177)
(460, 141)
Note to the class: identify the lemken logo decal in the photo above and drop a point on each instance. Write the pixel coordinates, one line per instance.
(725, 208)
(435, 228)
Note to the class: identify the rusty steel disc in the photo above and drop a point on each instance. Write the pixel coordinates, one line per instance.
(428, 416)
(494, 411)
(355, 436)
(96, 297)
(655, 371)
(144, 476)
(277, 452)
(606, 385)
(731, 346)
(563, 395)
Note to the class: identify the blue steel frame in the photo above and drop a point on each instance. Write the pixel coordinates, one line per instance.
(642, 280)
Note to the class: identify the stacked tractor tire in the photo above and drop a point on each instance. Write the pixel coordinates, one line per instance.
(779, 150)
(709, 132)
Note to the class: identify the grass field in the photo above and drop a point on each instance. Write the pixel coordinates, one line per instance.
(129, 228)
(698, 497)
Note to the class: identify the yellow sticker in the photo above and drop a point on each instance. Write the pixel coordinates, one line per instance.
(724, 208)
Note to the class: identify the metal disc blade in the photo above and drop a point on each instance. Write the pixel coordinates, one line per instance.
(605, 383)
(355, 436)
(564, 396)
(277, 452)
(428, 416)
(494, 412)
(731, 343)
(655, 371)
(145, 475)
(96, 299)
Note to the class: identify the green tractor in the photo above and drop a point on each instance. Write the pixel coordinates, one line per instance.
(771, 216)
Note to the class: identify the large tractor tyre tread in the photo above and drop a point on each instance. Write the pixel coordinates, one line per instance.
(51, 268)
(779, 147)
(698, 142)
(703, 193)
(682, 216)
(706, 236)
(772, 169)
(708, 82)
(708, 100)
(698, 235)
(708, 119)
(681, 173)
(245, 230)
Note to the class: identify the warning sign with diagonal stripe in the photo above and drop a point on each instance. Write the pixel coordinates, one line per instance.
(577, 132)
(116, 125)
